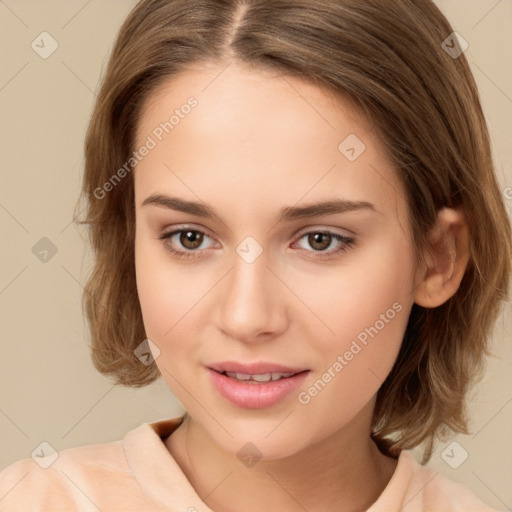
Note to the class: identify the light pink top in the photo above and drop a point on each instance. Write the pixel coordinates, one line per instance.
(139, 474)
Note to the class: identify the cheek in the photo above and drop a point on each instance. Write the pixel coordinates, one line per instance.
(368, 287)
(368, 311)
(174, 298)
(166, 291)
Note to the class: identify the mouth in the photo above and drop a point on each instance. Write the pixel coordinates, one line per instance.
(255, 386)
(260, 377)
(257, 368)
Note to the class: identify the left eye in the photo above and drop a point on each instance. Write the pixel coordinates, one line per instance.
(322, 240)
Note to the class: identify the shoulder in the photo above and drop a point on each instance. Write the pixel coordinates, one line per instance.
(422, 489)
(70, 482)
(131, 474)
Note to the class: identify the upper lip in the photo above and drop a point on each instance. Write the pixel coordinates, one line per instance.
(257, 368)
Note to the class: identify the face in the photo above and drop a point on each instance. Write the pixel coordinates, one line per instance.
(241, 277)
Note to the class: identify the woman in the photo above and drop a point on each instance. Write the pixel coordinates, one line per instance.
(297, 224)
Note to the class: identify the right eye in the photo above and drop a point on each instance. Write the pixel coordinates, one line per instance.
(188, 238)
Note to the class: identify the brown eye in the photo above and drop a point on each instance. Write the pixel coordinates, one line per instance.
(190, 239)
(325, 243)
(185, 242)
(319, 241)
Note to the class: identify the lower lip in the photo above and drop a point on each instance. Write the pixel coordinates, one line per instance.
(255, 395)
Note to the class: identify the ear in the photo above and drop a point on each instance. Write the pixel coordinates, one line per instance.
(446, 259)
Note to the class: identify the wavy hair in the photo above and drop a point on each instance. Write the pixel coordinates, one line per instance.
(388, 57)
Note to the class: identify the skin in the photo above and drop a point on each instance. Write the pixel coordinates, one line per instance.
(255, 143)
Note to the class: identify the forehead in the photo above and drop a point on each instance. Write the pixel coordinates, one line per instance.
(228, 93)
(256, 133)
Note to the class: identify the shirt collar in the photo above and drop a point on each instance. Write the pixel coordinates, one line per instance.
(163, 481)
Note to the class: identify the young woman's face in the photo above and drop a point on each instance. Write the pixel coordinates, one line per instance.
(265, 282)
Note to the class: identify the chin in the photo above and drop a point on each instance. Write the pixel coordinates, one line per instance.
(265, 439)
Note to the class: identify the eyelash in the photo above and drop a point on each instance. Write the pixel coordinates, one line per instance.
(345, 241)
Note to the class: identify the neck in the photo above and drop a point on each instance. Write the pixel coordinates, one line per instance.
(345, 471)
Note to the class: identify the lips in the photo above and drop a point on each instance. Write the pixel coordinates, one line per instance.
(255, 385)
(261, 377)
(259, 368)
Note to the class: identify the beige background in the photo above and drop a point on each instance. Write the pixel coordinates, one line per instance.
(49, 389)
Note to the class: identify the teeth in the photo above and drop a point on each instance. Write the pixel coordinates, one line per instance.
(263, 377)
(239, 376)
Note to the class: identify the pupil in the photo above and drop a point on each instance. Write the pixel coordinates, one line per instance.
(191, 239)
(317, 240)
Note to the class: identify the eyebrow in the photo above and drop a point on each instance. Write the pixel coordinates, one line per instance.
(288, 213)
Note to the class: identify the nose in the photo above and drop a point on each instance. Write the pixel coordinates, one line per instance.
(251, 302)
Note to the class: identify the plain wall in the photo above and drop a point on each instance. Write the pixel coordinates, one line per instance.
(49, 390)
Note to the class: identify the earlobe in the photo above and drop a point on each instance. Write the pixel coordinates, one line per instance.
(446, 259)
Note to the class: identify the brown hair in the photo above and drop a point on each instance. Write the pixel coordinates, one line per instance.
(387, 57)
